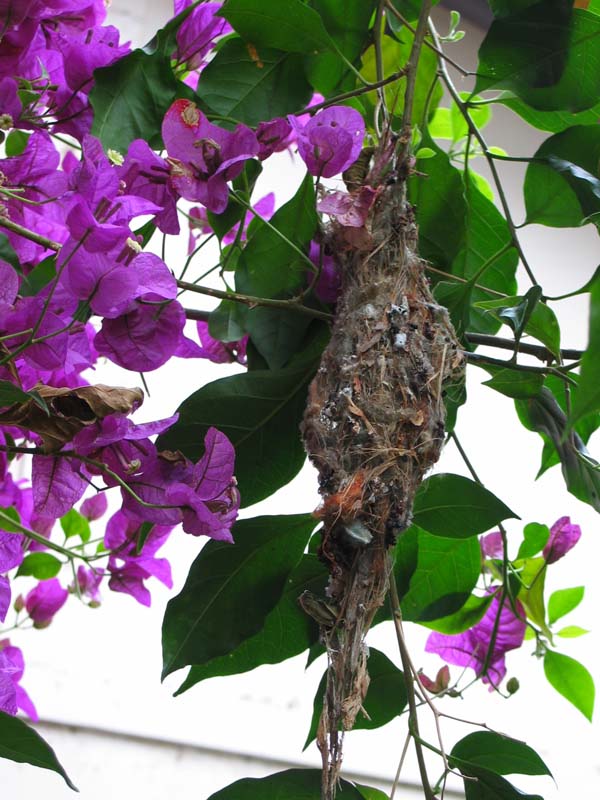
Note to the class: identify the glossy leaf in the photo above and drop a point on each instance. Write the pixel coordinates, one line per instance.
(572, 680)
(287, 631)
(463, 619)
(445, 574)
(260, 412)
(19, 742)
(130, 99)
(490, 786)
(237, 83)
(499, 754)
(456, 507)
(230, 589)
(75, 524)
(561, 187)
(563, 601)
(292, 784)
(553, 121)
(348, 26)
(535, 537)
(515, 384)
(539, 54)
(538, 321)
(386, 696)
(40, 565)
(286, 25)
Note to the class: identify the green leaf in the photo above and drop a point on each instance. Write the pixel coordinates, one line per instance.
(39, 277)
(75, 524)
(438, 197)
(16, 142)
(539, 54)
(544, 415)
(463, 619)
(386, 696)
(561, 187)
(230, 589)
(535, 537)
(457, 507)
(41, 565)
(348, 26)
(553, 121)
(19, 742)
(445, 574)
(11, 394)
(541, 322)
(8, 253)
(260, 412)
(532, 573)
(251, 89)
(395, 54)
(276, 333)
(288, 25)
(369, 793)
(226, 322)
(287, 631)
(130, 99)
(490, 786)
(497, 753)
(512, 383)
(7, 517)
(571, 632)
(586, 397)
(563, 601)
(572, 680)
(292, 784)
(480, 116)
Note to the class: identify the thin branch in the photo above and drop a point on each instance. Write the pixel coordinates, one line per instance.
(9, 225)
(458, 279)
(463, 108)
(539, 351)
(252, 302)
(411, 67)
(354, 92)
(479, 358)
(197, 314)
(37, 537)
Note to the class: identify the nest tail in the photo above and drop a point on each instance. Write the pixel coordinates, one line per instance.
(374, 425)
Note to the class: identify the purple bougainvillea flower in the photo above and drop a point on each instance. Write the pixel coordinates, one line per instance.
(469, 649)
(491, 545)
(45, 600)
(94, 507)
(350, 210)
(221, 352)
(329, 284)
(203, 157)
(197, 33)
(88, 581)
(129, 569)
(146, 174)
(563, 536)
(144, 338)
(57, 485)
(9, 283)
(11, 550)
(5, 595)
(12, 696)
(331, 141)
(273, 137)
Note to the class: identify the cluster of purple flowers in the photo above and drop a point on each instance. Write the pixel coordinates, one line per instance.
(99, 294)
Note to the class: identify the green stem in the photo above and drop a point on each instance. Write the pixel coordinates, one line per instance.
(37, 537)
(9, 225)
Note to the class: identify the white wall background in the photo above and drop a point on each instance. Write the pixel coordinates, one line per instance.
(95, 674)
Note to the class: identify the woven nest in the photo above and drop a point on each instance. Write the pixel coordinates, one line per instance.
(373, 426)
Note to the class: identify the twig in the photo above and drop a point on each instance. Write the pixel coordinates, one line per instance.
(539, 351)
(400, 765)
(27, 234)
(354, 93)
(480, 358)
(449, 276)
(411, 68)
(197, 314)
(252, 302)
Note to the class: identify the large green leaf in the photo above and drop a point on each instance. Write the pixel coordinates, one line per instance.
(230, 589)
(19, 742)
(131, 97)
(497, 753)
(445, 574)
(513, 383)
(553, 121)
(251, 89)
(580, 471)
(563, 601)
(287, 631)
(561, 187)
(586, 397)
(538, 320)
(386, 696)
(572, 680)
(260, 412)
(348, 26)
(292, 784)
(491, 786)
(441, 209)
(456, 507)
(548, 55)
(535, 537)
(41, 565)
(286, 25)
